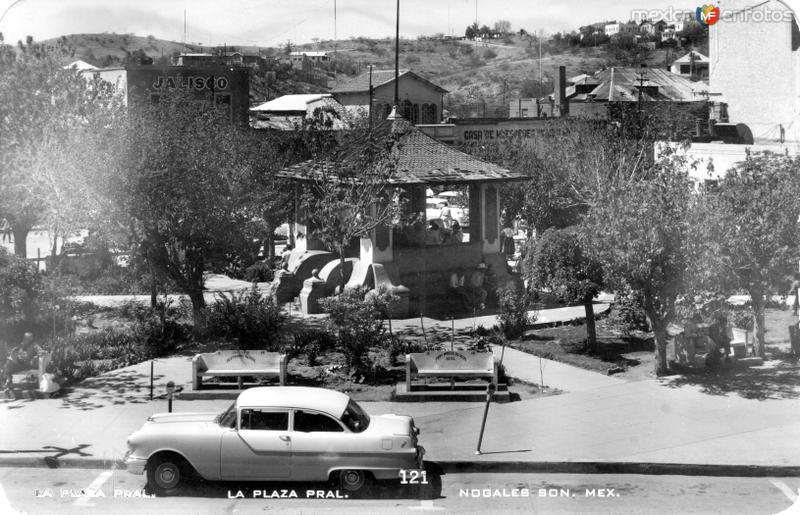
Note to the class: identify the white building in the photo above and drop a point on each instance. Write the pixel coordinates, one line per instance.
(755, 66)
(694, 64)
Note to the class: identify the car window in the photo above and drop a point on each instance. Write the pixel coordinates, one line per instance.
(264, 420)
(228, 417)
(315, 422)
(355, 417)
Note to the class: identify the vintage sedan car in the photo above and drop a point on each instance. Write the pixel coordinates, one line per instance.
(270, 433)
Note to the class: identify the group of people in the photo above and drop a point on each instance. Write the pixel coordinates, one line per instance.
(473, 293)
(436, 235)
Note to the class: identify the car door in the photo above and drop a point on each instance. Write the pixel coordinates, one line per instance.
(261, 447)
(319, 443)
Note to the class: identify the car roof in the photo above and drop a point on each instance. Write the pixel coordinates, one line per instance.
(318, 399)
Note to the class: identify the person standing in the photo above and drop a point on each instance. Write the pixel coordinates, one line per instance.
(445, 215)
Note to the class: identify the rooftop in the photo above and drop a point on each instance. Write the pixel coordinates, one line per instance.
(618, 84)
(420, 159)
(288, 103)
(379, 78)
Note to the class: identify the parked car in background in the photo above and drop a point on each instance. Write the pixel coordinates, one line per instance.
(284, 433)
(433, 210)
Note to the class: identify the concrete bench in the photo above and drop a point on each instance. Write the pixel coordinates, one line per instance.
(240, 364)
(450, 364)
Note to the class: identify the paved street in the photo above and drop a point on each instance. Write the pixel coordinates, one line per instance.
(36, 490)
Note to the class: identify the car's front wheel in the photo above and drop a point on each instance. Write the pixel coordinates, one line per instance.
(165, 473)
(354, 482)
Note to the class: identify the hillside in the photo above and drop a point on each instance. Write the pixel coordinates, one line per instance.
(110, 49)
(481, 78)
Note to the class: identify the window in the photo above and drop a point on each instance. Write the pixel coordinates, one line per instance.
(355, 418)
(228, 417)
(685, 68)
(264, 420)
(315, 422)
(428, 113)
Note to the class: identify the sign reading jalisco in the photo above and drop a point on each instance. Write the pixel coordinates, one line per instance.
(222, 87)
(190, 82)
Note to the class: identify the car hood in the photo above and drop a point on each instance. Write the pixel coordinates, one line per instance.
(398, 425)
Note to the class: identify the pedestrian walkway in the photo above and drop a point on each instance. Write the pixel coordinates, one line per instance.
(549, 373)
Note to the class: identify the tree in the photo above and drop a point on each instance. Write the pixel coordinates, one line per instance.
(502, 26)
(44, 110)
(184, 191)
(472, 31)
(560, 264)
(752, 230)
(349, 195)
(640, 233)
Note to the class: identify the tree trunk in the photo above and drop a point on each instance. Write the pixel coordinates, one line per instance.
(198, 309)
(660, 332)
(153, 288)
(759, 348)
(20, 232)
(591, 331)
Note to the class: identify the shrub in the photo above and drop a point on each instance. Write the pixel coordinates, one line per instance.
(21, 291)
(76, 357)
(358, 316)
(252, 321)
(259, 272)
(513, 317)
(399, 348)
(160, 328)
(741, 317)
(311, 342)
(628, 312)
(489, 54)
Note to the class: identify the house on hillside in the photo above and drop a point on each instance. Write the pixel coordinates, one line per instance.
(421, 101)
(314, 58)
(652, 28)
(693, 65)
(289, 111)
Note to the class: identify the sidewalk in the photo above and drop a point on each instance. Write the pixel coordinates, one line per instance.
(597, 422)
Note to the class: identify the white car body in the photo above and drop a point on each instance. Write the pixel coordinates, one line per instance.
(433, 211)
(276, 433)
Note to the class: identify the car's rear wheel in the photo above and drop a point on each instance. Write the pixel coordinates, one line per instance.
(354, 482)
(165, 473)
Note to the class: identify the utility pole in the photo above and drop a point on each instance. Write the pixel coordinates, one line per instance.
(397, 57)
(541, 32)
(641, 77)
(335, 42)
(371, 92)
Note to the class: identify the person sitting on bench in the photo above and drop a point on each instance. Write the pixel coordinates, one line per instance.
(25, 356)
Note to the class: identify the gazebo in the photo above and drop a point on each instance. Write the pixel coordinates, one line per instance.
(393, 255)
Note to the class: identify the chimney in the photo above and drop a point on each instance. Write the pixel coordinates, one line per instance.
(560, 92)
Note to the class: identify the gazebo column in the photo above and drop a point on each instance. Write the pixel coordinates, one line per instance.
(491, 219)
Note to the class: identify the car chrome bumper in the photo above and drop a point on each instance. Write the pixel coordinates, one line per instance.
(134, 465)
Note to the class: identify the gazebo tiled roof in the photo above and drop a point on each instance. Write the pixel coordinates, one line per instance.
(420, 160)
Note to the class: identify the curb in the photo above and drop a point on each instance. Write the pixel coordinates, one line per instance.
(611, 467)
(492, 467)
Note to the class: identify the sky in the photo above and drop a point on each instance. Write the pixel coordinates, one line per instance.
(274, 22)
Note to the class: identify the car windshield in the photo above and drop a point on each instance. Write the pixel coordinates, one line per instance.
(228, 417)
(355, 418)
